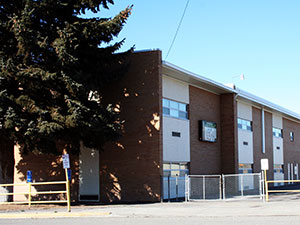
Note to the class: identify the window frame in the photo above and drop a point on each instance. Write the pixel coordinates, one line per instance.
(275, 132)
(245, 168)
(175, 168)
(292, 136)
(174, 109)
(244, 124)
(278, 168)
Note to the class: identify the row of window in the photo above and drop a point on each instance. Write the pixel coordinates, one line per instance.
(180, 110)
(175, 169)
(245, 168)
(175, 109)
(247, 125)
(244, 124)
(248, 168)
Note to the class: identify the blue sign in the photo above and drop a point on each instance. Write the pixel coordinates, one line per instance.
(29, 176)
(69, 174)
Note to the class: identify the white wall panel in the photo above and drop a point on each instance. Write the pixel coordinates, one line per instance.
(175, 89)
(277, 142)
(278, 150)
(277, 121)
(245, 151)
(244, 111)
(176, 149)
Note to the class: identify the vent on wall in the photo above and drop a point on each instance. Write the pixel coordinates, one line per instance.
(175, 134)
(88, 198)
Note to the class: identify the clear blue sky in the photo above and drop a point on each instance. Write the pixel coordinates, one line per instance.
(220, 39)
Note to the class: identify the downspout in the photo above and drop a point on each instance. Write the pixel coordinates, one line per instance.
(263, 135)
(236, 131)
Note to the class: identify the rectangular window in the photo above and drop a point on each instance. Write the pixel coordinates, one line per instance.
(175, 109)
(244, 124)
(245, 168)
(182, 107)
(175, 169)
(166, 103)
(278, 168)
(167, 173)
(277, 132)
(174, 113)
(166, 111)
(291, 136)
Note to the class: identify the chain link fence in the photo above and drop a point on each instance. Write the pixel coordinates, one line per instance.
(218, 187)
(204, 187)
(174, 188)
(242, 185)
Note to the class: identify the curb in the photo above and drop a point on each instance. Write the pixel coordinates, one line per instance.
(51, 215)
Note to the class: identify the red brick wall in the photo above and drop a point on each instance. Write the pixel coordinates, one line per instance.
(205, 156)
(257, 141)
(291, 150)
(229, 152)
(269, 143)
(131, 168)
(45, 168)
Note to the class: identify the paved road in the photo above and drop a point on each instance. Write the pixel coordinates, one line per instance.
(280, 210)
(245, 220)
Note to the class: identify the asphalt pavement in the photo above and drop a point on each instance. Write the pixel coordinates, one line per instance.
(281, 209)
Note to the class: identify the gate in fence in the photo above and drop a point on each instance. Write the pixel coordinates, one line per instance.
(174, 187)
(242, 185)
(217, 187)
(204, 187)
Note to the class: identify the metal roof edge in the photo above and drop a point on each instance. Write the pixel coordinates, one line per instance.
(239, 92)
(266, 103)
(199, 77)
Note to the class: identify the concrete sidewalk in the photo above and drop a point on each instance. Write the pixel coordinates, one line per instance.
(279, 207)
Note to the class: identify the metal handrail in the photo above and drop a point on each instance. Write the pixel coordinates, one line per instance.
(29, 193)
(277, 191)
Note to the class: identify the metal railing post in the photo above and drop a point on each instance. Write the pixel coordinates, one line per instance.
(260, 186)
(266, 186)
(29, 194)
(176, 182)
(189, 187)
(203, 187)
(186, 188)
(220, 187)
(242, 186)
(68, 190)
(68, 196)
(169, 188)
(223, 181)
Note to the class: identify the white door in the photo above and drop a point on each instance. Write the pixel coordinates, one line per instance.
(88, 174)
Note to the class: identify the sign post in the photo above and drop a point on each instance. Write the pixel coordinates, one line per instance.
(29, 181)
(66, 165)
(265, 166)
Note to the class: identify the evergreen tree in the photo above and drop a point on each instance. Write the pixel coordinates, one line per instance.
(52, 68)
